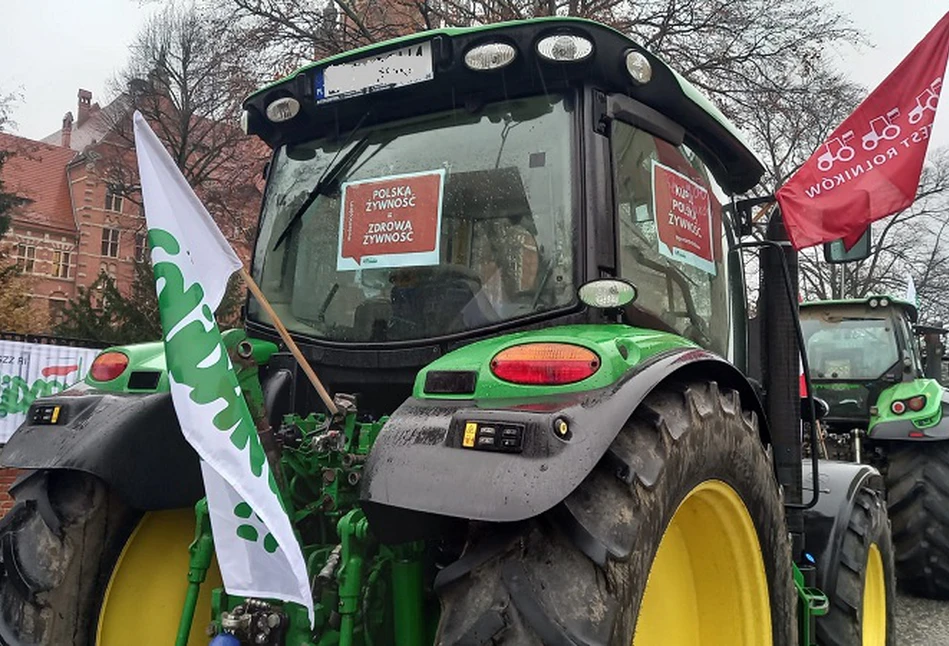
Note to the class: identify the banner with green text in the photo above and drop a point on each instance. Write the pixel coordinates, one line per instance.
(31, 370)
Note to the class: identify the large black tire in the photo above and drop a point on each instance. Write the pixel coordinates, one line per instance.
(917, 482)
(868, 525)
(549, 582)
(58, 546)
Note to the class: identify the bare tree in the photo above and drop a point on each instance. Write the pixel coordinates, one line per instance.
(7, 101)
(791, 120)
(187, 78)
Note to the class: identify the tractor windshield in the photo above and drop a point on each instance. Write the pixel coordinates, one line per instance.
(857, 347)
(422, 228)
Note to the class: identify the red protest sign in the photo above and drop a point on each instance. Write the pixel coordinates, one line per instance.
(391, 221)
(683, 218)
(870, 165)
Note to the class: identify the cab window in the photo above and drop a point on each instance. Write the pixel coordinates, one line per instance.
(670, 237)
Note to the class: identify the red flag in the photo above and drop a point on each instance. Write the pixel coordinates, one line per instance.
(870, 165)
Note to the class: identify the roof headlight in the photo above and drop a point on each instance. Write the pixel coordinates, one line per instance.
(283, 109)
(490, 56)
(874, 302)
(884, 302)
(639, 68)
(565, 48)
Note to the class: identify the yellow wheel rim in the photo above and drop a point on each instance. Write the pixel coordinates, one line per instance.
(146, 592)
(707, 585)
(873, 627)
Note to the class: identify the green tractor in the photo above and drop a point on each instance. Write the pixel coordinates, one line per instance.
(545, 432)
(888, 408)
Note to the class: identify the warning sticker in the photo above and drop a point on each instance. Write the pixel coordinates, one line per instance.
(391, 221)
(683, 211)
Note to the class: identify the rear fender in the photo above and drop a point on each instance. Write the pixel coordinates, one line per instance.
(826, 522)
(131, 441)
(418, 462)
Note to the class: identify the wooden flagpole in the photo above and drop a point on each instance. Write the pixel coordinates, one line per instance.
(291, 344)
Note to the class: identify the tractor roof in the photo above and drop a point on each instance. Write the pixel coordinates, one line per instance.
(452, 83)
(871, 302)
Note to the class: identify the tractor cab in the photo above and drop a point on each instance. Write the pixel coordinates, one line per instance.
(467, 186)
(880, 373)
(857, 349)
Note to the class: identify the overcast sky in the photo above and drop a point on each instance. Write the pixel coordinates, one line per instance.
(51, 48)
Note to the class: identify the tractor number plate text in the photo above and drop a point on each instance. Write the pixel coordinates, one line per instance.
(398, 68)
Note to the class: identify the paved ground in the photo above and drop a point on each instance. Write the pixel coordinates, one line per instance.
(922, 622)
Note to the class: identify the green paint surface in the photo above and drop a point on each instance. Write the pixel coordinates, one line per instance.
(929, 416)
(151, 357)
(142, 357)
(605, 340)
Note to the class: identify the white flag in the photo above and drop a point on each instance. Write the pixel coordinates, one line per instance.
(911, 296)
(257, 551)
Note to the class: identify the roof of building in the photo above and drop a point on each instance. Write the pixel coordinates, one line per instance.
(96, 126)
(37, 171)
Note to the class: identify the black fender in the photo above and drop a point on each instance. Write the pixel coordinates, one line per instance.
(130, 441)
(826, 522)
(418, 462)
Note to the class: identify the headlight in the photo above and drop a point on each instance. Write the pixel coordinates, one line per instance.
(638, 67)
(490, 56)
(564, 48)
(283, 109)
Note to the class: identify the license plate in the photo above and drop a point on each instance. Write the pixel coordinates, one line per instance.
(398, 68)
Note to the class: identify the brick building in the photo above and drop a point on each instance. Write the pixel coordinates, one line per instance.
(79, 222)
(43, 235)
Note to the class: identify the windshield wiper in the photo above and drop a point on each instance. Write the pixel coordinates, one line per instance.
(333, 171)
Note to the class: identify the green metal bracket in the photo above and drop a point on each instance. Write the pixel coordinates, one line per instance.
(813, 604)
(202, 551)
(407, 587)
(353, 528)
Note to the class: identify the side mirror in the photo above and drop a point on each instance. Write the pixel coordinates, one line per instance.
(743, 212)
(835, 252)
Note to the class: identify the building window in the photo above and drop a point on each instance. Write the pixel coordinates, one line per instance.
(61, 262)
(110, 243)
(140, 247)
(25, 258)
(113, 201)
